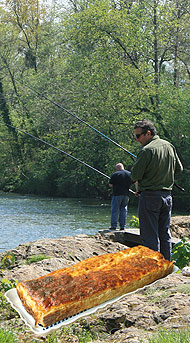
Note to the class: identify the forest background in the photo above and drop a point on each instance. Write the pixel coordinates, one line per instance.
(109, 62)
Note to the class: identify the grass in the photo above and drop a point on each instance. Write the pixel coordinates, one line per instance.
(6, 310)
(7, 337)
(185, 289)
(164, 336)
(36, 258)
(156, 295)
(85, 332)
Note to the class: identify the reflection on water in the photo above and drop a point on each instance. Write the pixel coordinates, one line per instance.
(29, 218)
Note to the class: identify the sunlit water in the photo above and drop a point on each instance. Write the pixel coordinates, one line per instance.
(30, 218)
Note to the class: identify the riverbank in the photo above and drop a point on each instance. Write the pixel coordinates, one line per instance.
(166, 304)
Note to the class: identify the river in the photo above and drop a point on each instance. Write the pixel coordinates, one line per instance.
(25, 218)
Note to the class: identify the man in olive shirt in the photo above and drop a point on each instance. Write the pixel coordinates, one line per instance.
(153, 172)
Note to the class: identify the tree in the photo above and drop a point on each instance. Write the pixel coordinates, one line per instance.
(108, 62)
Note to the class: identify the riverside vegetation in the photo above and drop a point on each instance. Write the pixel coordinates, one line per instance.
(155, 314)
(110, 63)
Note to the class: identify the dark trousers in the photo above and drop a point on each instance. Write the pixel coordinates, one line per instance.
(154, 218)
(119, 208)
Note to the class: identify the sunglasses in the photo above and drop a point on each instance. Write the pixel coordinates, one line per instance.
(140, 134)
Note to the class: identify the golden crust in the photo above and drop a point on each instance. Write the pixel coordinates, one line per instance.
(68, 291)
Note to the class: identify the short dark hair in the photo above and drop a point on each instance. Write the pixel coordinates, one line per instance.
(146, 125)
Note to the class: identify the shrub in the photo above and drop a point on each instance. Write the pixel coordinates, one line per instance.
(7, 260)
(181, 253)
(134, 222)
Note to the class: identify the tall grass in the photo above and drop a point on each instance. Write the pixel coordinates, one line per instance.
(7, 337)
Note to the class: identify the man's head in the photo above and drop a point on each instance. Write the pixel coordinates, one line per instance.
(119, 166)
(144, 131)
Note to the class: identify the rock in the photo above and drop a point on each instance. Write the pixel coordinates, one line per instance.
(135, 317)
(186, 271)
(180, 226)
(61, 252)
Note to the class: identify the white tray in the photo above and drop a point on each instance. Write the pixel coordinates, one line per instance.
(16, 303)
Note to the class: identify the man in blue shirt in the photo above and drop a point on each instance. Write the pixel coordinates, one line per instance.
(120, 182)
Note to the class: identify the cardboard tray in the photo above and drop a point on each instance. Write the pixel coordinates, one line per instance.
(38, 330)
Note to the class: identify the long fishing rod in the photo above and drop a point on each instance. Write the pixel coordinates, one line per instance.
(81, 120)
(93, 128)
(63, 152)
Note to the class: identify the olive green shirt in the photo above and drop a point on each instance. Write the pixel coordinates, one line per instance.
(156, 165)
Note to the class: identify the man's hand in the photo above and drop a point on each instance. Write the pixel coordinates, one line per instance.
(136, 186)
(137, 194)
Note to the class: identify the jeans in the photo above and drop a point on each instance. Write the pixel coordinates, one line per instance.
(154, 217)
(119, 208)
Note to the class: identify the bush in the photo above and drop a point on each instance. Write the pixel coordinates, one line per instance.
(181, 253)
(7, 260)
(134, 222)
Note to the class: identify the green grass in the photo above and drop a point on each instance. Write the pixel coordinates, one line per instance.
(177, 336)
(7, 337)
(183, 288)
(84, 333)
(36, 258)
(155, 295)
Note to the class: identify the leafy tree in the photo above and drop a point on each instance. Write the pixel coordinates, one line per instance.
(107, 62)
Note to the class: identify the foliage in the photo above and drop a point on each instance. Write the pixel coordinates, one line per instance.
(7, 260)
(107, 62)
(164, 336)
(181, 253)
(134, 222)
(7, 337)
(85, 332)
(7, 312)
(6, 284)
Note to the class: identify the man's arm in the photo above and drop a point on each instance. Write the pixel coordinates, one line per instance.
(140, 164)
(178, 166)
(136, 187)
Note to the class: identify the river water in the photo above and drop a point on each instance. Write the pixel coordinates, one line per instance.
(30, 218)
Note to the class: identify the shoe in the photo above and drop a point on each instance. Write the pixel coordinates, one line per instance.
(122, 228)
(112, 228)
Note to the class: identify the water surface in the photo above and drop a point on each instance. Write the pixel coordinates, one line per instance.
(29, 218)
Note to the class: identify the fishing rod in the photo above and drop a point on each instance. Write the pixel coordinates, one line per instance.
(93, 128)
(63, 152)
(81, 120)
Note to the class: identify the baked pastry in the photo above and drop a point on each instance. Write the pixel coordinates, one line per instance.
(69, 291)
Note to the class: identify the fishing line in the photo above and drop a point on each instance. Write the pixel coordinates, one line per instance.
(63, 152)
(81, 120)
(93, 128)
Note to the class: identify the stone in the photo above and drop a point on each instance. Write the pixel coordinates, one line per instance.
(186, 271)
(135, 317)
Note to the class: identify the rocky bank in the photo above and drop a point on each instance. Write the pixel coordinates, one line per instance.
(165, 304)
